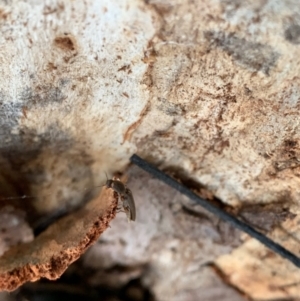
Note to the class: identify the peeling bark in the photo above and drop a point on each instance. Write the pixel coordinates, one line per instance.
(62, 243)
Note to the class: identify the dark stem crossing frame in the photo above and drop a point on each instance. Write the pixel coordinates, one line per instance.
(225, 216)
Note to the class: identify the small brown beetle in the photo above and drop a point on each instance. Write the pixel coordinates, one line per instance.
(129, 205)
(125, 195)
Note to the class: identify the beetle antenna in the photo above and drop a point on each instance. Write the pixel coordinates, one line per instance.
(18, 197)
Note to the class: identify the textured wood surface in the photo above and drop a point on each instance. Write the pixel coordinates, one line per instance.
(208, 90)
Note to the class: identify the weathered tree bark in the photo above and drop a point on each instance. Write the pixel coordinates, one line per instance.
(208, 90)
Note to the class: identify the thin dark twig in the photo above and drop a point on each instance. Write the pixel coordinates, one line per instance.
(277, 248)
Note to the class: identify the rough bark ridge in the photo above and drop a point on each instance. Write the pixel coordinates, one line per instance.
(54, 250)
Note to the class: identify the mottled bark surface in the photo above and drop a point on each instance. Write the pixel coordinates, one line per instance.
(208, 90)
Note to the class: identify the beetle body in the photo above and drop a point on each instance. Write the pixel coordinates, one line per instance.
(125, 195)
(129, 205)
(117, 185)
